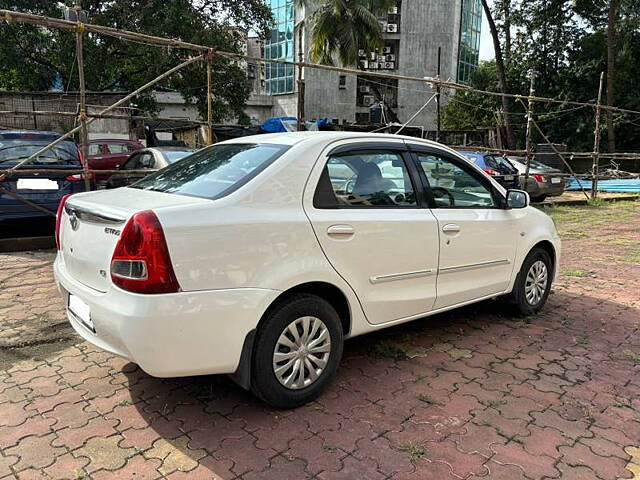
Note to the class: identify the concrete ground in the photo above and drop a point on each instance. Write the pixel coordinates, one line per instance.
(474, 393)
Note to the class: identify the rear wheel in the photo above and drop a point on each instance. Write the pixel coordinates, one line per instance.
(297, 351)
(533, 283)
(539, 199)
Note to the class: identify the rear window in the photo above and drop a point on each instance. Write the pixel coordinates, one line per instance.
(500, 164)
(13, 151)
(175, 156)
(213, 172)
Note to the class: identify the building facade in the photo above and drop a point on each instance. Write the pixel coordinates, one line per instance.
(418, 34)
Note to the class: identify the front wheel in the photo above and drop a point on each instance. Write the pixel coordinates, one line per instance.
(297, 351)
(533, 283)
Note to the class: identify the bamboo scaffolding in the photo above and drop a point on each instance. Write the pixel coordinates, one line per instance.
(10, 16)
(106, 110)
(98, 116)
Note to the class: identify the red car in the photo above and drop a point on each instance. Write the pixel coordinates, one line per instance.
(110, 153)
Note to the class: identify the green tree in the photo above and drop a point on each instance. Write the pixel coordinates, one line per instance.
(32, 58)
(339, 28)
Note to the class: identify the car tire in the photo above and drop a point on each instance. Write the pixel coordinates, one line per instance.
(274, 377)
(539, 199)
(529, 294)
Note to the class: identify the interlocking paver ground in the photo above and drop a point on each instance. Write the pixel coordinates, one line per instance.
(480, 394)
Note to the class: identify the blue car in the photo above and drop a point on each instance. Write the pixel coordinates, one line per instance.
(497, 166)
(43, 189)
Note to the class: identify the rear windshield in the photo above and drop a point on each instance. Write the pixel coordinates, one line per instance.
(213, 172)
(14, 151)
(500, 164)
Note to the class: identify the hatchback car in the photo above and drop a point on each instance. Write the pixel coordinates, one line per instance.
(257, 257)
(544, 181)
(146, 159)
(497, 166)
(42, 189)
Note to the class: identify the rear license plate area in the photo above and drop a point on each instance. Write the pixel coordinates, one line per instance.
(80, 311)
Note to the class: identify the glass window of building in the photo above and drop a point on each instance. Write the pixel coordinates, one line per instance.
(469, 48)
(279, 78)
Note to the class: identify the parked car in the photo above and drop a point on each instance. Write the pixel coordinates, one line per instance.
(146, 159)
(110, 153)
(544, 181)
(43, 189)
(247, 258)
(497, 166)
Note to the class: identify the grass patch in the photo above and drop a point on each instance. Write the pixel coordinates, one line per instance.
(575, 273)
(394, 351)
(329, 447)
(635, 358)
(414, 451)
(596, 202)
(496, 403)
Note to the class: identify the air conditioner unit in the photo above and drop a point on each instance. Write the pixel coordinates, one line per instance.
(368, 100)
(389, 65)
(365, 88)
(386, 50)
(362, 53)
(392, 27)
(392, 11)
(383, 26)
(390, 58)
(381, 58)
(364, 64)
(373, 65)
(373, 56)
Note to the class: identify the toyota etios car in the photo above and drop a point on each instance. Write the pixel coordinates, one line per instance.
(258, 256)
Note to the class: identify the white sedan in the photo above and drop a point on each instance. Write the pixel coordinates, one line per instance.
(258, 256)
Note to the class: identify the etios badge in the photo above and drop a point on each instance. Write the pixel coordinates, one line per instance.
(73, 220)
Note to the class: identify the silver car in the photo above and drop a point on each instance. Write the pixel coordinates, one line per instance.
(544, 181)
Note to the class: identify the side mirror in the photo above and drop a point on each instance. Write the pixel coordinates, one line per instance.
(517, 199)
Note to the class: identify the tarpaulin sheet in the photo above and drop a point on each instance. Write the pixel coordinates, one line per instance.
(626, 185)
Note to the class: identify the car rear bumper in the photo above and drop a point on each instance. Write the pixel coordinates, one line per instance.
(171, 335)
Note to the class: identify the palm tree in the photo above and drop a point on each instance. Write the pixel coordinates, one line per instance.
(339, 28)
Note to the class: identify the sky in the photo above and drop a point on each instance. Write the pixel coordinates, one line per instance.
(486, 43)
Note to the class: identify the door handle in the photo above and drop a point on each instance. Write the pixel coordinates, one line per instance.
(340, 230)
(451, 228)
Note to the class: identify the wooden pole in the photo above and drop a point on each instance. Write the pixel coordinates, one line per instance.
(209, 58)
(529, 144)
(82, 116)
(596, 142)
(301, 85)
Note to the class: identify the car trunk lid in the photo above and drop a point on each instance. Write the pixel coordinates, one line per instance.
(91, 225)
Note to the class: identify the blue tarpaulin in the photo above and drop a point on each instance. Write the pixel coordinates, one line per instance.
(289, 124)
(628, 185)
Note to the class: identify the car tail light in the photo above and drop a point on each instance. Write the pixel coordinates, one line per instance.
(141, 261)
(79, 177)
(539, 178)
(63, 200)
(491, 172)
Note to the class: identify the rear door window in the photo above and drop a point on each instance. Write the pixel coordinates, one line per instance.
(13, 151)
(215, 171)
(365, 179)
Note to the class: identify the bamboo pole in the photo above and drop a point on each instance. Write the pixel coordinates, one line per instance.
(529, 137)
(209, 58)
(106, 110)
(9, 16)
(596, 142)
(84, 132)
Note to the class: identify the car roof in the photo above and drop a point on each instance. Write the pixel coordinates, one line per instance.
(42, 133)
(294, 138)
